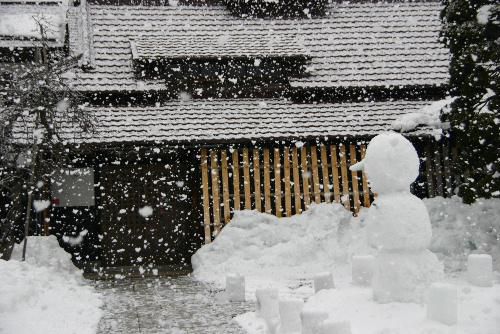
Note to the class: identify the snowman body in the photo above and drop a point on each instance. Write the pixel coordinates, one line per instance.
(398, 223)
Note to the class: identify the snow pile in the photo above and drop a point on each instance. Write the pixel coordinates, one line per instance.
(26, 26)
(429, 116)
(46, 293)
(258, 244)
(460, 229)
(46, 252)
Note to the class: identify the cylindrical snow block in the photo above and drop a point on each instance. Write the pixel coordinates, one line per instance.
(442, 303)
(267, 303)
(335, 327)
(363, 267)
(312, 320)
(290, 315)
(323, 281)
(235, 288)
(480, 270)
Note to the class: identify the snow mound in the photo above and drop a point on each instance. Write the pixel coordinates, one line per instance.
(461, 229)
(46, 293)
(428, 116)
(44, 251)
(258, 244)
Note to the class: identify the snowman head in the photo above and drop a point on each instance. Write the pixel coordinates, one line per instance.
(391, 163)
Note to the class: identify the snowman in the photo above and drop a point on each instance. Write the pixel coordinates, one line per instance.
(398, 223)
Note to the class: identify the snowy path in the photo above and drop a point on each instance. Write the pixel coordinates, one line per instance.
(166, 305)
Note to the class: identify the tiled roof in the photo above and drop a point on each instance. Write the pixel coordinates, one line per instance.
(241, 119)
(354, 45)
(218, 45)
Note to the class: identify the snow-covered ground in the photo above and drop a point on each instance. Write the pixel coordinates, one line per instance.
(286, 253)
(46, 293)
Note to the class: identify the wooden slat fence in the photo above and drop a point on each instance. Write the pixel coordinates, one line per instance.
(281, 181)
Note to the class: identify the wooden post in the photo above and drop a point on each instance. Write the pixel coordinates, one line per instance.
(206, 196)
(324, 171)
(345, 181)
(246, 179)
(354, 175)
(256, 175)
(296, 180)
(305, 177)
(267, 182)
(315, 175)
(277, 181)
(437, 168)
(288, 193)
(366, 188)
(225, 187)
(236, 180)
(429, 172)
(215, 190)
(335, 173)
(447, 171)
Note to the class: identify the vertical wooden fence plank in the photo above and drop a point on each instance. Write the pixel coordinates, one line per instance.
(246, 179)
(429, 172)
(324, 171)
(447, 171)
(296, 180)
(225, 187)
(277, 181)
(305, 177)
(345, 181)
(206, 196)
(256, 175)
(286, 171)
(267, 182)
(315, 175)
(335, 173)
(366, 188)
(438, 171)
(355, 184)
(236, 180)
(214, 166)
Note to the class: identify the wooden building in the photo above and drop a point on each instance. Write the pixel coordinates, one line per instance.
(206, 109)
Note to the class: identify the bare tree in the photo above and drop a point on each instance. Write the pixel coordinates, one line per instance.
(35, 110)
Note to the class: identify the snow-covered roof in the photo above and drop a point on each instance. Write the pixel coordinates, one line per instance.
(218, 45)
(239, 120)
(19, 27)
(354, 45)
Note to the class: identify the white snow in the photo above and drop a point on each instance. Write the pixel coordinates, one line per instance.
(480, 270)
(442, 303)
(398, 224)
(312, 320)
(261, 246)
(290, 310)
(460, 229)
(335, 327)
(146, 211)
(391, 163)
(40, 205)
(46, 293)
(25, 25)
(235, 288)
(323, 281)
(483, 14)
(428, 116)
(363, 267)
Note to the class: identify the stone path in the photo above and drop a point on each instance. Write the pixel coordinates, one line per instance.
(166, 305)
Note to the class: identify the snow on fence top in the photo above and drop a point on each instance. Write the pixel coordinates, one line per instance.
(353, 45)
(242, 119)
